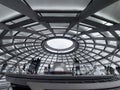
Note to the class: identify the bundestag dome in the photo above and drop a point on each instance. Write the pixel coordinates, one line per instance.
(59, 44)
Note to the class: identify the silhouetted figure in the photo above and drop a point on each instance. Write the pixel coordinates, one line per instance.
(107, 70)
(77, 67)
(38, 61)
(45, 70)
(112, 70)
(24, 67)
(4, 66)
(118, 69)
(49, 67)
(32, 65)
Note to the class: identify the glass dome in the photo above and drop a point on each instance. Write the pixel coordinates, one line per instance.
(87, 31)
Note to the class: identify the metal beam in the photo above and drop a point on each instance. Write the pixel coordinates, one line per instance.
(95, 24)
(59, 20)
(69, 27)
(6, 29)
(112, 30)
(3, 26)
(29, 31)
(58, 11)
(49, 27)
(24, 9)
(18, 54)
(115, 27)
(93, 7)
(19, 6)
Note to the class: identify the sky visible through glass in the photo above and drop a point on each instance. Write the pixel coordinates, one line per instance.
(59, 43)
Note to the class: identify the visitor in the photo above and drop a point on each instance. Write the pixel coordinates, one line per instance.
(32, 65)
(118, 69)
(24, 67)
(77, 67)
(112, 70)
(107, 70)
(49, 67)
(38, 61)
(4, 66)
(45, 70)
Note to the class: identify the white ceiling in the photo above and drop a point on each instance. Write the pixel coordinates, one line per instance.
(58, 4)
(111, 12)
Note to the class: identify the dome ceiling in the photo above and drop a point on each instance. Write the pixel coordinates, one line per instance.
(24, 25)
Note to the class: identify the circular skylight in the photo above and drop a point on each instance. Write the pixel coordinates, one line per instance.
(59, 43)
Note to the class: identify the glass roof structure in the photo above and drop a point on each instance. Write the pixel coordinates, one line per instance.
(60, 43)
(91, 25)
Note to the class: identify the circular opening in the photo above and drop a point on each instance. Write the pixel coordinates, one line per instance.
(59, 43)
